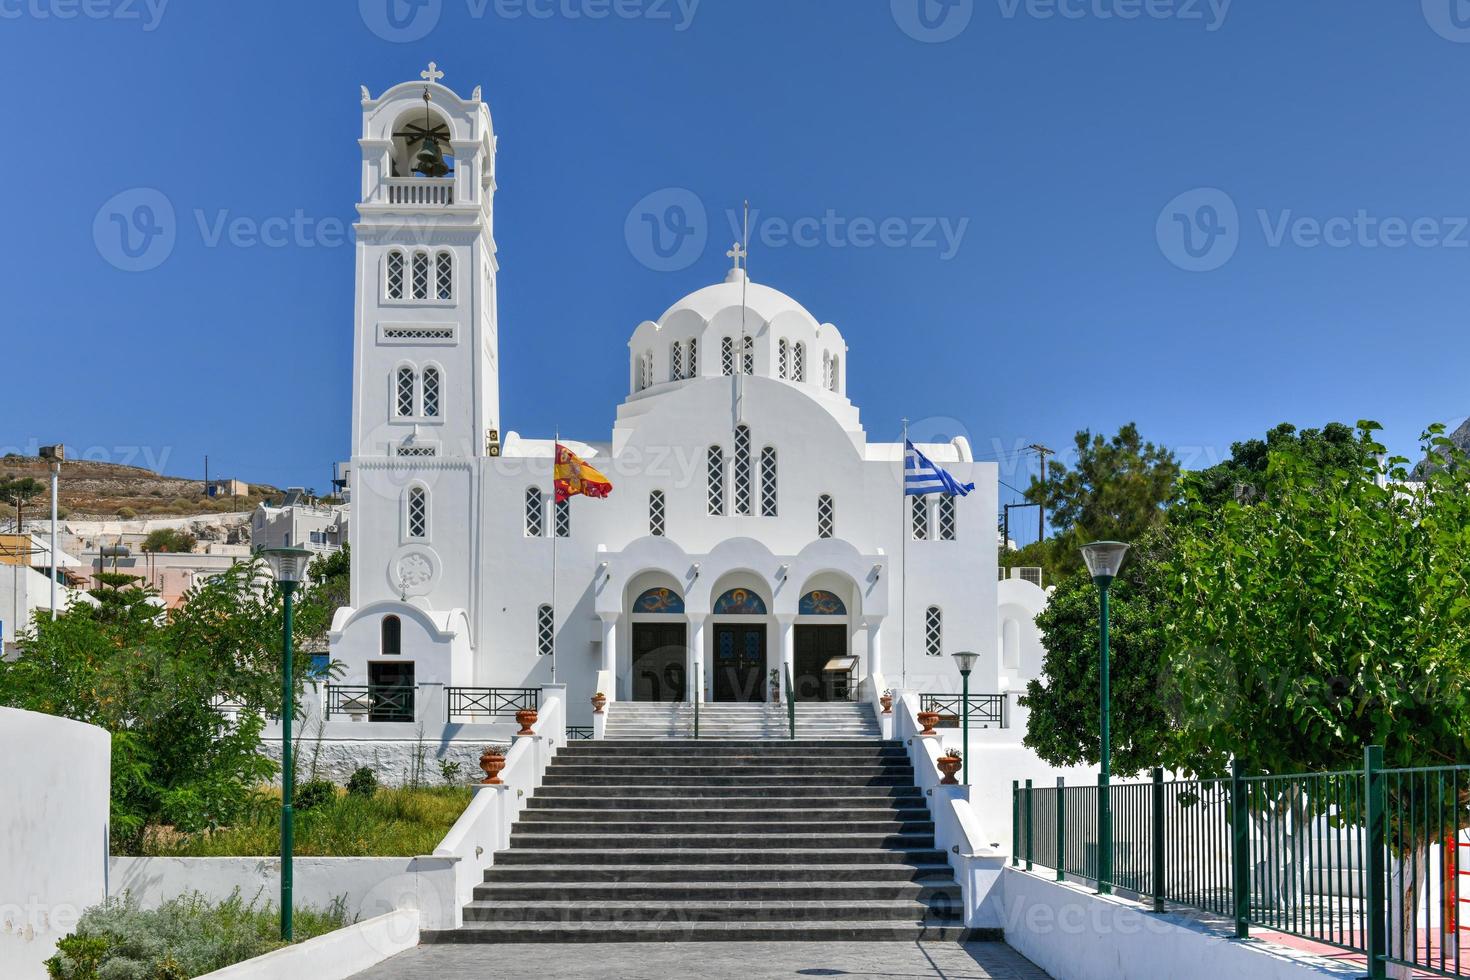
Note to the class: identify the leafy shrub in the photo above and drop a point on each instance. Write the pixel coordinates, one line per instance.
(184, 937)
(127, 513)
(362, 782)
(314, 793)
(450, 771)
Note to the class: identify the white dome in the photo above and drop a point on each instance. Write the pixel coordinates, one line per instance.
(762, 303)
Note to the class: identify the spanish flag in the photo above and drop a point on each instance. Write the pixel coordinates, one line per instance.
(574, 476)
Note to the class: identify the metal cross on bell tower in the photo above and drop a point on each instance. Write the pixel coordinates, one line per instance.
(433, 74)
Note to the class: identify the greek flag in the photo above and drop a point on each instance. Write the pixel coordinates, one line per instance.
(920, 476)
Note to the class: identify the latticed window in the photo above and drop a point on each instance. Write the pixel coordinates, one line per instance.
(444, 276)
(768, 482)
(418, 512)
(534, 512)
(431, 392)
(743, 502)
(826, 369)
(395, 275)
(921, 519)
(747, 362)
(727, 356)
(545, 631)
(564, 518)
(403, 392)
(798, 363)
(933, 632)
(676, 362)
(835, 381)
(420, 280)
(783, 358)
(693, 371)
(715, 473)
(656, 513)
(648, 369)
(948, 523)
(826, 516)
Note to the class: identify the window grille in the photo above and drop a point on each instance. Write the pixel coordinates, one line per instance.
(403, 402)
(564, 518)
(395, 275)
(693, 371)
(835, 383)
(742, 470)
(431, 393)
(727, 356)
(418, 513)
(826, 516)
(783, 358)
(656, 513)
(921, 519)
(676, 362)
(420, 275)
(748, 360)
(444, 276)
(933, 632)
(715, 473)
(418, 333)
(798, 363)
(768, 482)
(545, 631)
(947, 519)
(534, 512)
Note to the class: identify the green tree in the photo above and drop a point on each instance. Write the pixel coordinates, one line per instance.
(329, 588)
(153, 680)
(169, 540)
(19, 491)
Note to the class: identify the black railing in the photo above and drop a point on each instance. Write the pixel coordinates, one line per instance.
(988, 710)
(579, 733)
(491, 702)
(381, 702)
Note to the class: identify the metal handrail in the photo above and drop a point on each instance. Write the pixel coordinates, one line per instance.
(698, 697)
(394, 701)
(985, 709)
(790, 702)
(492, 702)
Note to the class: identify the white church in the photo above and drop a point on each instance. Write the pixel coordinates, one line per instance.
(753, 528)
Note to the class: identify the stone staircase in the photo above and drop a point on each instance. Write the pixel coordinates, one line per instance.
(683, 840)
(814, 719)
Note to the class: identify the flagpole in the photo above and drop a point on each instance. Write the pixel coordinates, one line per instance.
(555, 533)
(903, 563)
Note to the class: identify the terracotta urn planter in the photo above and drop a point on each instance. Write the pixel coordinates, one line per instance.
(526, 717)
(928, 719)
(599, 702)
(492, 761)
(887, 702)
(949, 765)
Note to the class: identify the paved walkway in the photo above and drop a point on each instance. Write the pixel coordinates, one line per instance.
(711, 961)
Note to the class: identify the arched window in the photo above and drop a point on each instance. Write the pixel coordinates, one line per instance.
(444, 276)
(648, 369)
(431, 393)
(826, 516)
(947, 521)
(921, 519)
(715, 474)
(836, 381)
(564, 518)
(534, 512)
(933, 632)
(727, 356)
(693, 371)
(743, 502)
(826, 369)
(395, 274)
(545, 631)
(392, 637)
(656, 513)
(418, 512)
(676, 362)
(747, 362)
(798, 362)
(403, 393)
(783, 358)
(419, 284)
(768, 482)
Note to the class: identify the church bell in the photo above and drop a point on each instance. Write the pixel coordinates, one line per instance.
(429, 160)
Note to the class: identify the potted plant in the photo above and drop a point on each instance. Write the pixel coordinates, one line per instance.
(949, 764)
(526, 717)
(928, 719)
(599, 701)
(492, 760)
(887, 701)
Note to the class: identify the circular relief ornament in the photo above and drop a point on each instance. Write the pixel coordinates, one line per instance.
(413, 572)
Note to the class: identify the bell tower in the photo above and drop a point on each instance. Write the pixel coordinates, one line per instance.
(426, 372)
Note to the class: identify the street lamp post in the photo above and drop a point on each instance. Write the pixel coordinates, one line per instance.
(53, 456)
(289, 565)
(1104, 558)
(966, 663)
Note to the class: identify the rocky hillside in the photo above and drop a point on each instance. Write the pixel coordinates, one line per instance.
(91, 490)
(1460, 437)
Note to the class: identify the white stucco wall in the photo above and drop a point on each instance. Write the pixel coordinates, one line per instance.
(53, 833)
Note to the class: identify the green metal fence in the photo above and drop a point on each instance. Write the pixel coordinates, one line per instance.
(1361, 860)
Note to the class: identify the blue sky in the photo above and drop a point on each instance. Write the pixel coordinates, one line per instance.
(1206, 217)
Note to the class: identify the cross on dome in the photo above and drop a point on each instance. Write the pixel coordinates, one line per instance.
(737, 253)
(433, 74)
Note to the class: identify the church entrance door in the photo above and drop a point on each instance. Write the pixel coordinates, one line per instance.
(740, 662)
(659, 650)
(813, 647)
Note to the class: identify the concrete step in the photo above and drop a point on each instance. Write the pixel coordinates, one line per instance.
(800, 744)
(676, 932)
(943, 896)
(659, 791)
(614, 771)
(614, 826)
(866, 872)
(652, 855)
(753, 783)
(775, 815)
(677, 842)
(700, 750)
(944, 909)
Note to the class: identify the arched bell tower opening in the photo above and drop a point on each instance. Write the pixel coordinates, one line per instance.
(422, 144)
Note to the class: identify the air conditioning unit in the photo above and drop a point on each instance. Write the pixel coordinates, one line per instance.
(1027, 573)
(331, 529)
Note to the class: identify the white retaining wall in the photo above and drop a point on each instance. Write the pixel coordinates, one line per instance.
(335, 956)
(53, 833)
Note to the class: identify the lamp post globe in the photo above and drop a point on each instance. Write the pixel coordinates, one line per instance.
(965, 661)
(289, 566)
(1104, 560)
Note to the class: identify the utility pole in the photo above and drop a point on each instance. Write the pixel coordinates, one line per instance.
(1043, 452)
